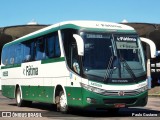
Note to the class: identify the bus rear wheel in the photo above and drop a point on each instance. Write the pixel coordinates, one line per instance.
(20, 102)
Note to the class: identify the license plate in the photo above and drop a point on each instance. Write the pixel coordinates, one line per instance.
(119, 105)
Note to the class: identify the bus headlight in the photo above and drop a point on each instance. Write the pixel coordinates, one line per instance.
(93, 89)
(142, 89)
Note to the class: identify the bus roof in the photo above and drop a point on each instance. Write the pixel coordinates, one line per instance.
(97, 25)
(84, 25)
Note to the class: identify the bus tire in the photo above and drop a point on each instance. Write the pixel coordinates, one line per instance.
(62, 104)
(19, 101)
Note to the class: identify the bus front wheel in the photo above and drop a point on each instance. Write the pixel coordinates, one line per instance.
(62, 104)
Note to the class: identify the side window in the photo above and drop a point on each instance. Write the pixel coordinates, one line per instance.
(57, 47)
(12, 54)
(18, 54)
(28, 51)
(70, 49)
(8, 55)
(52, 46)
(74, 59)
(5, 56)
(40, 49)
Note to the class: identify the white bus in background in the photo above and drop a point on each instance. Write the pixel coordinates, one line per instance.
(85, 64)
(155, 70)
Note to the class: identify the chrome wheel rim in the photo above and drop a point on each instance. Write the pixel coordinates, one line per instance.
(63, 102)
(18, 97)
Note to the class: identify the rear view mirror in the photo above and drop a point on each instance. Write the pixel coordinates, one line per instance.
(80, 44)
(152, 46)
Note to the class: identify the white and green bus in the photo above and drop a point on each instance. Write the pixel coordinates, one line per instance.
(82, 64)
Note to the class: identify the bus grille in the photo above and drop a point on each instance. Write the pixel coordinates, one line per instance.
(113, 101)
(116, 93)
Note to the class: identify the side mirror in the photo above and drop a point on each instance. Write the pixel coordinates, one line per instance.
(80, 44)
(152, 46)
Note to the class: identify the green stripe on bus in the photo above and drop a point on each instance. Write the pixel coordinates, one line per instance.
(11, 66)
(52, 60)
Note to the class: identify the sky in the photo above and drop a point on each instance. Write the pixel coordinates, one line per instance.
(20, 12)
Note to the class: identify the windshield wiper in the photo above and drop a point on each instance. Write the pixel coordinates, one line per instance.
(108, 71)
(128, 69)
(114, 61)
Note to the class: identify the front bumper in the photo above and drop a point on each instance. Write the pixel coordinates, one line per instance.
(98, 101)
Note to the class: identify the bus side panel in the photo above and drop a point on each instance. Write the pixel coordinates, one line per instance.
(74, 90)
(55, 74)
(37, 86)
(38, 93)
(8, 91)
(41, 87)
(74, 99)
(8, 83)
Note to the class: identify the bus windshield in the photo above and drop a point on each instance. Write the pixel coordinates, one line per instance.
(113, 58)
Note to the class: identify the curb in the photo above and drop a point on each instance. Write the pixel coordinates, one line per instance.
(154, 95)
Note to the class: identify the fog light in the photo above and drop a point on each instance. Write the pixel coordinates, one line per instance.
(91, 100)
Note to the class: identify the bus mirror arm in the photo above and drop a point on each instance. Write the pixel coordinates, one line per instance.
(80, 44)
